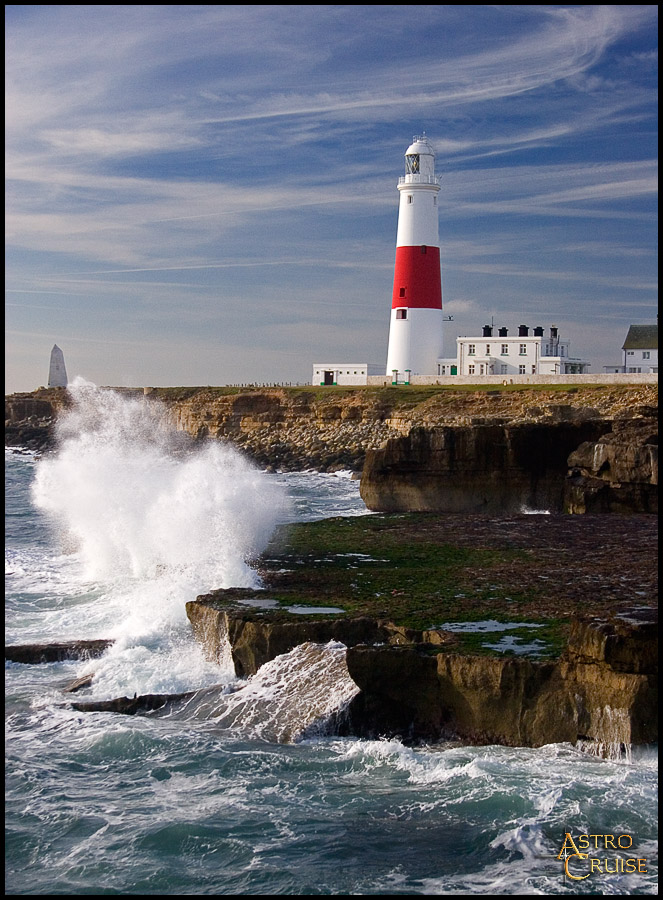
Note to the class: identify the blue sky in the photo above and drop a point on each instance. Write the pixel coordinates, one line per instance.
(207, 194)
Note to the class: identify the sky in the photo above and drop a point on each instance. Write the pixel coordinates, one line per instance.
(206, 195)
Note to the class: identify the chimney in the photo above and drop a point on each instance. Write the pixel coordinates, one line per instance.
(553, 332)
(502, 332)
(523, 331)
(487, 331)
(538, 331)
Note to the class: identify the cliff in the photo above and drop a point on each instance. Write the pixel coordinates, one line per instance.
(588, 695)
(589, 449)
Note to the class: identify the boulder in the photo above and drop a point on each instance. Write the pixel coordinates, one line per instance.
(618, 472)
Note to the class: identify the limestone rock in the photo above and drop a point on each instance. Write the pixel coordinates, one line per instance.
(492, 469)
(604, 689)
(619, 472)
(256, 638)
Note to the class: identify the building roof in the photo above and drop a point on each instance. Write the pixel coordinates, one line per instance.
(641, 337)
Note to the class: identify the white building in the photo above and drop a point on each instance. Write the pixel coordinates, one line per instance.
(495, 353)
(344, 373)
(415, 330)
(640, 350)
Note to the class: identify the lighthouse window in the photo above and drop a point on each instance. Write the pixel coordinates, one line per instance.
(401, 314)
(412, 164)
(409, 198)
(423, 248)
(401, 292)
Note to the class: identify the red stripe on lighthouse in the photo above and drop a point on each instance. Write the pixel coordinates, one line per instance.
(417, 282)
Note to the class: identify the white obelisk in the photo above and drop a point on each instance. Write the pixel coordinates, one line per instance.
(57, 374)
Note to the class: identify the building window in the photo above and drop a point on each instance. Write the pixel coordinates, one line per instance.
(523, 350)
(401, 314)
(630, 353)
(521, 370)
(470, 370)
(645, 354)
(487, 349)
(503, 369)
(533, 370)
(471, 349)
(505, 350)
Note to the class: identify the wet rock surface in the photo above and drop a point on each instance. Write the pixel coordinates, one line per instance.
(517, 702)
(55, 652)
(594, 575)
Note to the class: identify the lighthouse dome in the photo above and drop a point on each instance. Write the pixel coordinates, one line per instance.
(420, 146)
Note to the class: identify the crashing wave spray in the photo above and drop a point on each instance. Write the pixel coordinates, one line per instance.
(149, 513)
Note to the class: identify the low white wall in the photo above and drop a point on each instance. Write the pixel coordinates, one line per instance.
(497, 380)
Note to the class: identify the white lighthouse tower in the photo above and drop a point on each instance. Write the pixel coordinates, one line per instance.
(415, 332)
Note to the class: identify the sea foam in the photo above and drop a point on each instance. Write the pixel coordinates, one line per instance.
(152, 518)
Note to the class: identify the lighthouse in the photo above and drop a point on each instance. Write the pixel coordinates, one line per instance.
(415, 331)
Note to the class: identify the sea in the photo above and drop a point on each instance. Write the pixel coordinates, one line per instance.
(243, 787)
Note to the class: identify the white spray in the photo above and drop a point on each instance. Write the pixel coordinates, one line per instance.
(152, 517)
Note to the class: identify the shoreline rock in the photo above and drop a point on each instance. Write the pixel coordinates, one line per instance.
(603, 689)
(31, 654)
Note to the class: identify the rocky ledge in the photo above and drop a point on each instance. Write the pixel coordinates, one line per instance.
(412, 684)
(607, 696)
(420, 601)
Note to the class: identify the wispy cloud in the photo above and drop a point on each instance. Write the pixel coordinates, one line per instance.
(252, 151)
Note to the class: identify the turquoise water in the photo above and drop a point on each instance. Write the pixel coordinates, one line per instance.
(245, 789)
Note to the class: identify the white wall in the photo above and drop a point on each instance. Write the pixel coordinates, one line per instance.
(451, 380)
